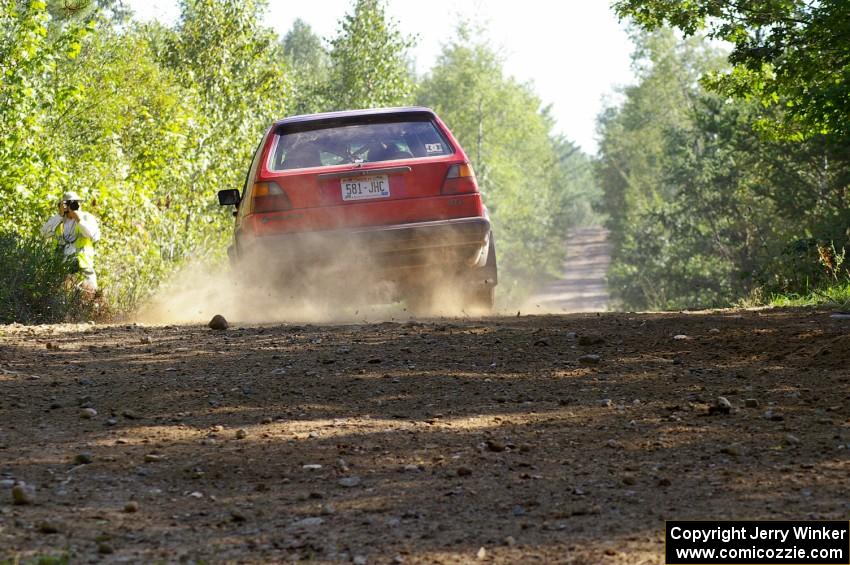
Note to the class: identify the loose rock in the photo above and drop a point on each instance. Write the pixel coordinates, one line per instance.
(308, 523)
(218, 323)
(590, 339)
(751, 403)
(589, 359)
(495, 446)
(83, 458)
(131, 507)
(48, 528)
(241, 434)
(720, 406)
(23, 494)
(88, 413)
(349, 482)
(105, 549)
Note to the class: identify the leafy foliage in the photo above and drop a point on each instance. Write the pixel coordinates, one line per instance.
(369, 66)
(147, 122)
(792, 53)
(705, 210)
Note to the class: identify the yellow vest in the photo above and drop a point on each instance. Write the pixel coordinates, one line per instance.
(84, 246)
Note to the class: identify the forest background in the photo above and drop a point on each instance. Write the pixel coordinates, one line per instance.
(722, 173)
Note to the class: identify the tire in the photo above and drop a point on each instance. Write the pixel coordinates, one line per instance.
(482, 293)
(482, 299)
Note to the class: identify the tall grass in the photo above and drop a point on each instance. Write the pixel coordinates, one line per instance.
(33, 288)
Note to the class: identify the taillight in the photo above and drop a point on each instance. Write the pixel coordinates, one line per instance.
(268, 197)
(460, 179)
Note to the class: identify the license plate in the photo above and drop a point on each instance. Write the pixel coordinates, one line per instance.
(363, 188)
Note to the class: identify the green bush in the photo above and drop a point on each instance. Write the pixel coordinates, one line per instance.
(32, 284)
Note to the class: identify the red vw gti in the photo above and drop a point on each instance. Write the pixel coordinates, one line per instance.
(365, 197)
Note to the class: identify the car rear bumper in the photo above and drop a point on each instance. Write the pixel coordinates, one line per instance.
(459, 241)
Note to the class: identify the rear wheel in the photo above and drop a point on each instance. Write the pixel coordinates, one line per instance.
(481, 298)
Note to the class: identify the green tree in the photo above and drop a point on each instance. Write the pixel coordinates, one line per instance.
(705, 210)
(793, 53)
(310, 65)
(369, 62)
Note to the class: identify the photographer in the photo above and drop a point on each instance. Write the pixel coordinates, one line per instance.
(76, 232)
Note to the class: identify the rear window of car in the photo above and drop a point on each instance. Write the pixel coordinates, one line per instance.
(316, 144)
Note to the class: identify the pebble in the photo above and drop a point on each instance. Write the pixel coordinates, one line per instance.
(510, 541)
(131, 415)
(773, 416)
(720, 406)
(751, 403)
(629, 479)
(266, 420)
(131, 507)
(241, 434)
(606, 403)
(731, 450)
(590, 339)
(398, 560)
(791, 439)
(218, 323)
(680, 337)
(237, 516)
(105, 549)
(88, 413)
(495, 446)
(311, 466)
(359, 560)
(518, 511)
(482, 554)
(841, 316)
(23, 494)
(714, 331)
(48, 528)
(349, 482)
(411, 467)
(196, 494)
(83, 458)
(308, 522)
(153, 458)
(112, 422)
(590, 359)
(146, 340)
(328, 509)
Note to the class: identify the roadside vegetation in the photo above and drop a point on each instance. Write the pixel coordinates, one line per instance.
(148, 122)
(726, 168)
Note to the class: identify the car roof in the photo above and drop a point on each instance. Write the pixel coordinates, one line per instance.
(353, 113)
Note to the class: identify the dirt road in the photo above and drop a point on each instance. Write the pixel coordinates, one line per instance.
(417, 442)
(583, 285)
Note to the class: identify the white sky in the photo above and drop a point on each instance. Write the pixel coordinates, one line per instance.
(575, 52)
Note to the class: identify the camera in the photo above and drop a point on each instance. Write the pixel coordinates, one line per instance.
(72, 205)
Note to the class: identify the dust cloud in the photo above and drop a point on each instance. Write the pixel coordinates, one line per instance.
(343, 287)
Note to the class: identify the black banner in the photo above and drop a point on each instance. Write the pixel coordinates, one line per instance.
(758, 543)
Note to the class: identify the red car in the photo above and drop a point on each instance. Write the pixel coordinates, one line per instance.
(362, 197)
